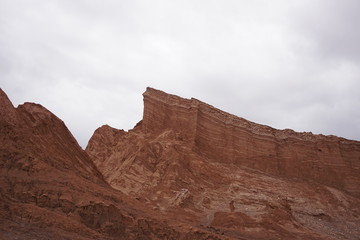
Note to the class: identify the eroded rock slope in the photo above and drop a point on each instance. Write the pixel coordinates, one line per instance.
(201, 166)
(51, 189)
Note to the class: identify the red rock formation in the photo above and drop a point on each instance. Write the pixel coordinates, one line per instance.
(51, 189)
(201, 166)
(225, 138)
(186, 171)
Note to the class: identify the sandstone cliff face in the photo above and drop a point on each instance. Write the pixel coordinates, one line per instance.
(225, 138)
(201, 166)
(186, 171)
(51, 189)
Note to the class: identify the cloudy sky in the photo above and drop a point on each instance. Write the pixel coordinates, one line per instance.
(283, 63)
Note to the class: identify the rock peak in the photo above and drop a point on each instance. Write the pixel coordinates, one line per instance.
(4, 99)
(7, 110)
(5, 102)
(38, 112)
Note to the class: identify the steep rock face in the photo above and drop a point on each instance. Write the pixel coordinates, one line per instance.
(198, 165)
(7, 111)
(51, 189)
(225, 138)
(46, 137)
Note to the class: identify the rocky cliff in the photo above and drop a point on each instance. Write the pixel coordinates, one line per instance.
(199, 165)
(225, 138)
(51, 189)
(186, 171)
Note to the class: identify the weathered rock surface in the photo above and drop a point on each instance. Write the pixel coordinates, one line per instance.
(225, 138)
(186, 171)
(200, 166)
(51, 189)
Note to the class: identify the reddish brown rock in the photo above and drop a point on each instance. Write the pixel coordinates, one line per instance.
(201, 166)
(225, 138)
(51, 189)
(186, 171)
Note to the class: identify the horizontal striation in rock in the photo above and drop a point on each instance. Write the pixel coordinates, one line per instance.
(51, 189)
(226, 138)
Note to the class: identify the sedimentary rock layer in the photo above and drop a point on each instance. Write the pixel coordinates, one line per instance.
(225, 138)
(198, 165)
(51, 189)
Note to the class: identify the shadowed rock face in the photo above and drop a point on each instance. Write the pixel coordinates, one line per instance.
(201, 166)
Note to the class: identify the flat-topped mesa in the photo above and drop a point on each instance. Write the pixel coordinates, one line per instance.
(226, 138)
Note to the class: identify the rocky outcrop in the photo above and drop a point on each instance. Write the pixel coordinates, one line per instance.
(7, 110)
(186, 171)
(51, 189)
(225, 138)
(198, 165)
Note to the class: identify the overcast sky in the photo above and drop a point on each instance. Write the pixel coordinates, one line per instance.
(283, 63)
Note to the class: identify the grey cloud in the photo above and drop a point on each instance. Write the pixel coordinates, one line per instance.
(282, 63)
(332, 26)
